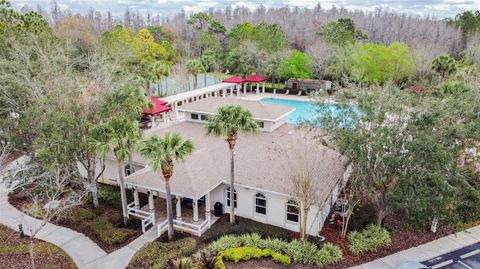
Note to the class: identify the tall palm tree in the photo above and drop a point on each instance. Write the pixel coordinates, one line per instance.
(228, 122)
(162, 153)
(123, 136)
(195, 67)
(160, 69)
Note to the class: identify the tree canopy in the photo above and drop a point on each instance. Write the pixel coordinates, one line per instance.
(297, 65)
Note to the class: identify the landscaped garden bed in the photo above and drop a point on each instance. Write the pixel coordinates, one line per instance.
(402, 238)
(14, 253)
(104, 224)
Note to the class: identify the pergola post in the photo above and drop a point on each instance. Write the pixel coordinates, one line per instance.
(208, 214)
(176, 112)
(251, 87)
(258, 88)
(263, 87)
(231, 91)
(179, 208)
(244, 88)
(151, 205)
(237, 89)
(224, 93)
(195, 211)
(136, 200)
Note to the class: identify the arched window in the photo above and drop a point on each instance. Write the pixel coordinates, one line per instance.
(292, 211)
(234, 197)
(260, 204)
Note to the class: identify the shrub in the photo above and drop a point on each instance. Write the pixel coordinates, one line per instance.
(225, 242)
(156, 254)
(451, 88)
(244, 226)
(108, 234)
(78, 214)
(329, 254)
(302, 251)
(371, 238)
(183, 263)
(248, 253)
(208, 260)
(109, 195)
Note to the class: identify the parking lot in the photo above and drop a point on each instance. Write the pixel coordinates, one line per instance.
(464, 258)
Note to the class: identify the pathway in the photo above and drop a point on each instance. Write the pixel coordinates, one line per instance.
(84, 252)
(426, 251)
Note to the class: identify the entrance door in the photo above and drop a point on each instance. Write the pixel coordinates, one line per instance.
(295, 86)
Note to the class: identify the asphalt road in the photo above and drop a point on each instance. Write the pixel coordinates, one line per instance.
(464, 258)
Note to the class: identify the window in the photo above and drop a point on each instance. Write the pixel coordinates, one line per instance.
(234, 197)
(128, 170)
(194, 116)
(261, 124)
(260, 204)
(292, 211)
(203, 117)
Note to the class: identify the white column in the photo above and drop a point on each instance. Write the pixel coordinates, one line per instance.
(195, 211)
(176, 112)
(224, 93)
(263, 88)
(179, 208)
(258, 89)
(136, 200)
(251, 87)
(208, 214)
(238, 90)
(231, 91)
(244, 88)
(151, 205)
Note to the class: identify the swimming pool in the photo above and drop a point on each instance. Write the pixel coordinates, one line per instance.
(304, 110)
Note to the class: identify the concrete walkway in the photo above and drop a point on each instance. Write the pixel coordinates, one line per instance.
(84, 252)
(426, 251)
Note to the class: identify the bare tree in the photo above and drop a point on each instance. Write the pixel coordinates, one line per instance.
(51, 193)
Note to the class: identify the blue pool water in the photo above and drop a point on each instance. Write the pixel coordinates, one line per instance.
(304, 111)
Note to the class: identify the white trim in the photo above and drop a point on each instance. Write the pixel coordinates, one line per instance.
(255, 118)
(255, 213)
(173, 193)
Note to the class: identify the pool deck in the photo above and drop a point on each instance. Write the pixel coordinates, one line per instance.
(260, 96)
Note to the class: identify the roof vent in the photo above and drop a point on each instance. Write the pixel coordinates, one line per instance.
(291, 132)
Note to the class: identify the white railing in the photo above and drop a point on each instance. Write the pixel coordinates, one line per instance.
(146, 218)
(196, 229)
(162, 227)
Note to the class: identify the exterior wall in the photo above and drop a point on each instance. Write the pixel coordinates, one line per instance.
(268, 126)
(276, 208)
(111, 170)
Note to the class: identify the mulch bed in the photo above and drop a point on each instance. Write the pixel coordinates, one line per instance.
(112, 214)
(402, 238)
(14, 253)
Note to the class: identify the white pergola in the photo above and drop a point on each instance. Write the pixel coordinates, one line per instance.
(220, 89)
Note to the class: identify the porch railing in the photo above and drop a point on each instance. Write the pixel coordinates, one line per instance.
(196, 229)
(162, 227)
(145, 217)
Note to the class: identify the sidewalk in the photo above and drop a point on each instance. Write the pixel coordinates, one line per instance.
(426, 251)
(84, 252)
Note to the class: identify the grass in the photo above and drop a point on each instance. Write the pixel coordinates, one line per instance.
(14, 252)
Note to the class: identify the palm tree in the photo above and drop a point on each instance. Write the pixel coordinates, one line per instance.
(228, 122)
(444, 65)
(123, 136)
(160, 69)
(162, 154)
(195, 67)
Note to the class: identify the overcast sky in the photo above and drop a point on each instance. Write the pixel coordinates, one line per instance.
(438, 8)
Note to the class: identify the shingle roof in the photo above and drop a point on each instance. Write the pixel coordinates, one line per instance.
(260, 110)
(264, 161)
